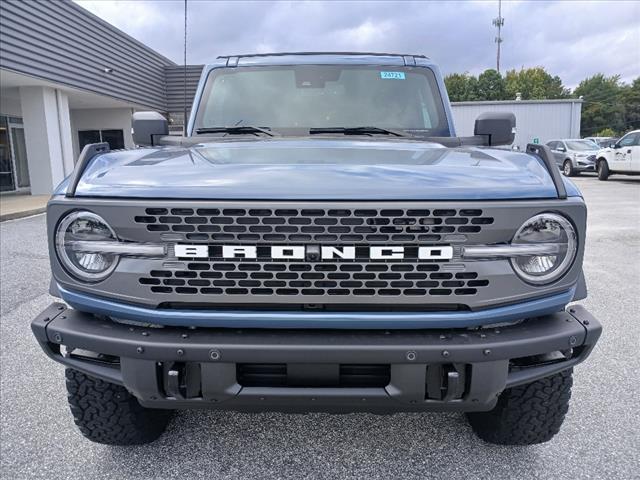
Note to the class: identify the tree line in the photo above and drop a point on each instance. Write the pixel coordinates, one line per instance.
(610, 107)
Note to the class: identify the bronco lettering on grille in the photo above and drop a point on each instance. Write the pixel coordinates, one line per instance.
(300, 252)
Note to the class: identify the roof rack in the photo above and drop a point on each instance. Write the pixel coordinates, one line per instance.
(280, 54)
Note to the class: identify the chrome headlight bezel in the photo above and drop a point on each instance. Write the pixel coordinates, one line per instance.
(61, 247)
(561, 267)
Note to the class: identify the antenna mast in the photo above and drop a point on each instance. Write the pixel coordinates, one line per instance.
(184, 79)
(498, 23)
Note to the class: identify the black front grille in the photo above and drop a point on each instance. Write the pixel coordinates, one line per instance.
(279, 375)
(361, 279)
(346, 225)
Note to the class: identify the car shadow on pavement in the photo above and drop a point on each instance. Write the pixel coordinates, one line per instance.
(275, 445)
(628, 180)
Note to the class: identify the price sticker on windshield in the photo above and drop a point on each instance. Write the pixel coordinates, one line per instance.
(392, 75)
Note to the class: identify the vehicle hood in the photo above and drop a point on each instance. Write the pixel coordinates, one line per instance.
(317, 169)
(585, 152)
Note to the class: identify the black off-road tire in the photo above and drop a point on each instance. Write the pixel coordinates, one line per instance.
(108, 413)
(527, 414)
(603, 169)
(567, 169)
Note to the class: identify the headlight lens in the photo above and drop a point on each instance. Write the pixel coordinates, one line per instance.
(85, 227)
(546, 228)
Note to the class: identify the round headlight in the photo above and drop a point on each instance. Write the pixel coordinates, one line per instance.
(79, 228)
(559, 234)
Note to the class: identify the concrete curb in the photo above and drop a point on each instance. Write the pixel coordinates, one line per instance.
(22, 214)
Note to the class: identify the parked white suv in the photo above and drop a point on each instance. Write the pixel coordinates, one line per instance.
(621, 157)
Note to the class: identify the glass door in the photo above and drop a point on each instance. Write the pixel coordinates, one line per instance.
(14, 169)
(19, 151)
(7, 180)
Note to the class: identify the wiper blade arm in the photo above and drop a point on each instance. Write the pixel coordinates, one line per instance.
(359, 131)
(236, 130)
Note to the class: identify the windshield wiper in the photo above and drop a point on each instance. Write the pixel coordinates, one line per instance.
(235, 130)
(358, 131)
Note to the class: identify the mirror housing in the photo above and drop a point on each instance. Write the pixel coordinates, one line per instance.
(562, 149)
(148, 127)
(499, 127)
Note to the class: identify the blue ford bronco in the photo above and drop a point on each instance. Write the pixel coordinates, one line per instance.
(318, 240)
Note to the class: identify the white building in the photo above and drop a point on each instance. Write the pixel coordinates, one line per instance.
(68, 78)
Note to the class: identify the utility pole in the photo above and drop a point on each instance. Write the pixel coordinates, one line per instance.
(498, 23)
(184, 73)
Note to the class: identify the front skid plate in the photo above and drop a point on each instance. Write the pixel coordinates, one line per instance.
(486, 352)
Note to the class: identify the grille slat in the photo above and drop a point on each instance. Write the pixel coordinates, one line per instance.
(316, 225)
(312, 279)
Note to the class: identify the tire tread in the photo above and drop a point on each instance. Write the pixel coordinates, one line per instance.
(526, 414)
(108, 413)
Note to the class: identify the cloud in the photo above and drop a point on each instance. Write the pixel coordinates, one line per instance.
(570, 39)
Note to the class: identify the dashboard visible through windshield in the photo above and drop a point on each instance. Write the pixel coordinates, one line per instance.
(323, 96)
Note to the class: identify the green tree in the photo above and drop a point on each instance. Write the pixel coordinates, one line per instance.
(491, 85)
(461, 87)
(603, 105)
(605, 132)
(631, 103)
(534, 84)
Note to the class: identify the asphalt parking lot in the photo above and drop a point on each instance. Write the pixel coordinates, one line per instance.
(600, 438)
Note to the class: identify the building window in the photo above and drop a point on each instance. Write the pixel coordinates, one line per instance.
(115, 138)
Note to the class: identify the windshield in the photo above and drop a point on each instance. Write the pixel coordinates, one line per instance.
(320, 96)
(581, 145)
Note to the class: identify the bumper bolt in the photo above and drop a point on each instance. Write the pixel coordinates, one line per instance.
(184, 335)
(572, 340)
(585, 322)
(445, 353)
(180, 352)
(60, 307)
(214, 355)
(140, 350)
(57, 338)
(411, 356)
(486, 352)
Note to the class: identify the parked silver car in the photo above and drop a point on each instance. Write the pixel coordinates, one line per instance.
(574, 156)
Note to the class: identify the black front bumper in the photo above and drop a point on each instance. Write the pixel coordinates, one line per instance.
(317, 370)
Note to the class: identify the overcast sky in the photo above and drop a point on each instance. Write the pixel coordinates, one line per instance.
(572, 39)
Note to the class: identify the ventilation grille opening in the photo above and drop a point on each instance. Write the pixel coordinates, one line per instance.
(279, 375)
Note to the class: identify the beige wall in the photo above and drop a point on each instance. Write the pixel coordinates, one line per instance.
(101, 119)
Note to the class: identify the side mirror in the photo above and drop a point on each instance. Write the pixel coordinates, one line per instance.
(562, 149)
(613, 145)
(499, 127)
(147, 127)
